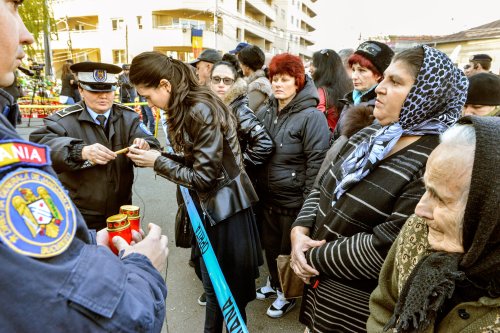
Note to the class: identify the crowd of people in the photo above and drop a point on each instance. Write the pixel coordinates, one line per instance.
(376, 172)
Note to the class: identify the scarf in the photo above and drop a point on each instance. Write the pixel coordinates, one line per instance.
(433, 104)
(430, 283)
(434, 277)
(357, 94)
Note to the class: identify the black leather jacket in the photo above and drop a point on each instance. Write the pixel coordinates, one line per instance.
(212, 166)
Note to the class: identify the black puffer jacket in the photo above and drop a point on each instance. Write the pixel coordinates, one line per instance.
(300, 134)
(367, 99)
(256, 144)
(212, 165)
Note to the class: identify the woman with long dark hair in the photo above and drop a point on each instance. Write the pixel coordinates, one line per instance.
(331, 79)
(209, 162)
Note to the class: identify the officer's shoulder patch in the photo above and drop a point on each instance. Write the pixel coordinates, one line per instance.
(38, 217)
(144, 129)
(124, 107)
(69, 110)
(14, 152)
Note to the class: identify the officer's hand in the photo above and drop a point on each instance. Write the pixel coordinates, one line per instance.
(153, 246)
(98, 154)
(143, 158)
(102, 237)
(141, 143)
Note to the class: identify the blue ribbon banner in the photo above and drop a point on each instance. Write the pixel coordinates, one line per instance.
(232, 316)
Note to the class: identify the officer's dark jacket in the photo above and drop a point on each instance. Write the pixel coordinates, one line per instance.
(256, 144)
(98, 189)
(86, 288)
(300, 134)
(367, 99)
(212, 166)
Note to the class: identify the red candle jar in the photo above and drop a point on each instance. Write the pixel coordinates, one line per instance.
(118, 225)
(133, 216)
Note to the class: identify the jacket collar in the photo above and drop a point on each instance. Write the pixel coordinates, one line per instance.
(238, 89)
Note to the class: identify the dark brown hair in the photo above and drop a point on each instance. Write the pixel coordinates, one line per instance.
(149, 68)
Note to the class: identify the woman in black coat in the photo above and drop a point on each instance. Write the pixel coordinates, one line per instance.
(209, 162)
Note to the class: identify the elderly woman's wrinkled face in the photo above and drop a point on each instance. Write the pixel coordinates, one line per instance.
(363, 78)
(392, 92)
(447, 181)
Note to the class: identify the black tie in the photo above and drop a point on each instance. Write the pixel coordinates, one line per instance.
(102, 120)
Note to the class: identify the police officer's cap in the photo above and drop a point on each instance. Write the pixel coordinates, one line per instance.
(96, 76)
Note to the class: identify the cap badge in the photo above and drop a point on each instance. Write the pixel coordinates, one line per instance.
(37, 217)
(100, 75)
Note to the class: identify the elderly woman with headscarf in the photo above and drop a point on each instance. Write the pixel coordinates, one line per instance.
(442, 274)
(353, 215)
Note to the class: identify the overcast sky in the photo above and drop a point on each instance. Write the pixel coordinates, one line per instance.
(340, 22)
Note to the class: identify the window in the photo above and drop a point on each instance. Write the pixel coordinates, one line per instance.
(119, 57)
(117, 24)
(283, 14)
(238, 34)
(139, 22)
(79, 26)
(275, 9)
(292, 19)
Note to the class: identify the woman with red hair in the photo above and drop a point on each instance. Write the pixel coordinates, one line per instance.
(300, 134)
(368, 64)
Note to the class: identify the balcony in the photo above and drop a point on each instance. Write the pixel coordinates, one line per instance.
(262, 7)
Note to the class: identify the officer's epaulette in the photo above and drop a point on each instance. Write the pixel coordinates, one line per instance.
(123, 106)
(69, 110)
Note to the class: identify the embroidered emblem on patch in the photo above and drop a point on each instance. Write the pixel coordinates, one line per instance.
(100, 75)
(37, 217)
(22, 152)
(145, 129)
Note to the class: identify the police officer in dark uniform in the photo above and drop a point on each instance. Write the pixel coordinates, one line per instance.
(54, 276)
(83, 139)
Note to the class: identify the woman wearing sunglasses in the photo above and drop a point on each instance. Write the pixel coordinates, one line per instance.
(367, 64)
(209, 162)
(225, 82)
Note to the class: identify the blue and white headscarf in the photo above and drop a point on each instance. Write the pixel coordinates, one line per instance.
(433, 104)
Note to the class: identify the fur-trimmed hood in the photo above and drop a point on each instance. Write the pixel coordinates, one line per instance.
(237, 90)
(258, 81)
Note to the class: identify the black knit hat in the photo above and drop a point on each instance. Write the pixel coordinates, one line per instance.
(484, 89)
(379, 54)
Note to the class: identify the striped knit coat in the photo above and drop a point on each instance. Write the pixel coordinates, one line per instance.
(359, 229)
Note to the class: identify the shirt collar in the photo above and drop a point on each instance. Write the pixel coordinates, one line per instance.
(94, 115)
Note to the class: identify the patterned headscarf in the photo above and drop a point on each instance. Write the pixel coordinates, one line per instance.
(433, 104)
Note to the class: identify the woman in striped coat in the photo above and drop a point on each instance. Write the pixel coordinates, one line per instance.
(350, 220)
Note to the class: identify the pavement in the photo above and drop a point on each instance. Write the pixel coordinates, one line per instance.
(156, 198)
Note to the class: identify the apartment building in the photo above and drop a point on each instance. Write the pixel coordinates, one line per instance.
(115, 31)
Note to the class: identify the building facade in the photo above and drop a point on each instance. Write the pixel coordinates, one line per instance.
(114, 31)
